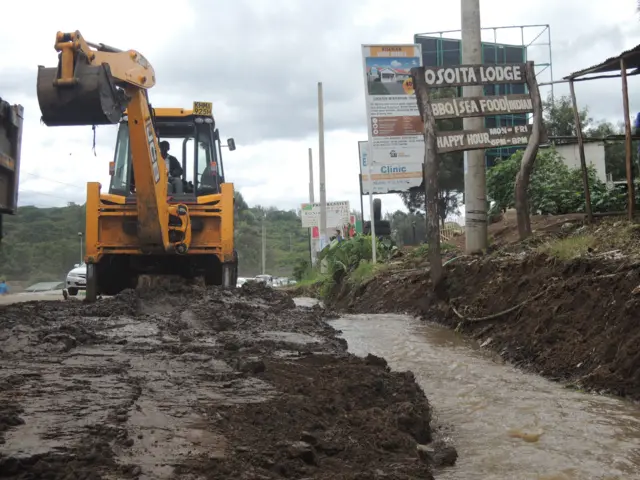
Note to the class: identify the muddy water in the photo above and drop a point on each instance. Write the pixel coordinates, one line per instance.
(505, 424)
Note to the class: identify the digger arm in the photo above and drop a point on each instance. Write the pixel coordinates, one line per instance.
(94, 87)
(129, 67)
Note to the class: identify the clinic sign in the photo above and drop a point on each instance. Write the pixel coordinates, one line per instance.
(474, 75)
(387, 178)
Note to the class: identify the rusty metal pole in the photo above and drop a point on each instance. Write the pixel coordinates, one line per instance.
(583, 160)
(627, 138)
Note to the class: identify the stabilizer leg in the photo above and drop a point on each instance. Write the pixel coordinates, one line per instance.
(92, 283)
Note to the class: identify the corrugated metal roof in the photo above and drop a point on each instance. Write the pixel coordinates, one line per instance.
(612, 64)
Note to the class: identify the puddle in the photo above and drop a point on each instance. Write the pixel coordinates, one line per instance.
(506, 424)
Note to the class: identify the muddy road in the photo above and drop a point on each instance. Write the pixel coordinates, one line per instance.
(193, 383)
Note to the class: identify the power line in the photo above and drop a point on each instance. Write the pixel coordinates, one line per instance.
(50, 179)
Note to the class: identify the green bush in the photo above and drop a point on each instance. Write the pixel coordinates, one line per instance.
(343, 257)
(554, 188)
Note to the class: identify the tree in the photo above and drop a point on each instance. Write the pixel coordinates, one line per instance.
(559, 119)
(555, 189)
(614, 150)
(552, 189)
(41, 244)
(407, 228)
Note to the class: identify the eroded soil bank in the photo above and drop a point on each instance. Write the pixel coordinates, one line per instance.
(575, 321)
(196, 383)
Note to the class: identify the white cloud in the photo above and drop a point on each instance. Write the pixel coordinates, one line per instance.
(260, 63)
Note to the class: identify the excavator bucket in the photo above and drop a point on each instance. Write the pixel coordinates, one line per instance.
(92, 99)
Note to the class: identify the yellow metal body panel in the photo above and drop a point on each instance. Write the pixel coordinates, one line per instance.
(105, 231)
(169, 112)
(129, 66)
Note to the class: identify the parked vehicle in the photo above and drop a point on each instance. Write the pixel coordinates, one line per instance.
(266, 279)
(77, 279)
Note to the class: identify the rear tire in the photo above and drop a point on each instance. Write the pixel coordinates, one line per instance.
(213, 271)
(234, 271)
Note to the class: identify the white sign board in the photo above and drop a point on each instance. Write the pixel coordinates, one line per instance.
(396, 142)
(388, 178)
(338, 214)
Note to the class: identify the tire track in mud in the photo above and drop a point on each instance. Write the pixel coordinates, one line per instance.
(192, 383)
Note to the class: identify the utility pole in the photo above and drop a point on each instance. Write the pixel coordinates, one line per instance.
(475, 197)
(323, 189)
(312, 243)
(81, 248)
(264, 244)
(311, 199)
(372, 230)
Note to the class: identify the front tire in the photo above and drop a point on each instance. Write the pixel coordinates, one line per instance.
(72, 291)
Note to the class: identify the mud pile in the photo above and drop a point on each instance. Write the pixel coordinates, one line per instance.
(575, 321)
(195, 383)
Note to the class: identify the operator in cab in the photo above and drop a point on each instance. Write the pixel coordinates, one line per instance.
(173, 167)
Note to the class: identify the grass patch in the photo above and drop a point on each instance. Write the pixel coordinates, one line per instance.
(568, 248)
(365, 271)
(422, 251)
(311, 277)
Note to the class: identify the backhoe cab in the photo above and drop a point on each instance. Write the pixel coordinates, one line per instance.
(152, 221)
(200, 220)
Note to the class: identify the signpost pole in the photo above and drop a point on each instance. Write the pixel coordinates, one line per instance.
(371, 216)
(361, 202)
(323, 190)
(312, 242)
(264, 244)
(475, 175)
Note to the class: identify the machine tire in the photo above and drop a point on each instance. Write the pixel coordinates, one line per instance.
(234, 272)
(383, 228)
(377, 210)
(72, 291)
(213, 271)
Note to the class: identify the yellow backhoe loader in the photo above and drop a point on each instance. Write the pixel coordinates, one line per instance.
(153, 220)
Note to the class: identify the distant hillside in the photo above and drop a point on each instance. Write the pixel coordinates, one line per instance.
(42, 244)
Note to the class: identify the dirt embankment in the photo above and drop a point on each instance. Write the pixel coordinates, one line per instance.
(199, 384)
(575, 321)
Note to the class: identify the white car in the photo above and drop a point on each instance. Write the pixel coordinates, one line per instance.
(266, 279)
(77, 279)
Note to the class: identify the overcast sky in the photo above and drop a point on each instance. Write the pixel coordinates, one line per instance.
(259, 63)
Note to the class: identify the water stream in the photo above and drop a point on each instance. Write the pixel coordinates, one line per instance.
(506, 424)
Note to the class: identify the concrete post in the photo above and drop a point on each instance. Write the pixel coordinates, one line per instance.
(475, 168)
